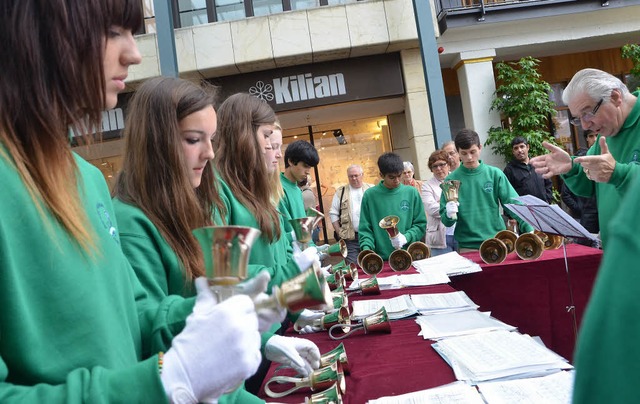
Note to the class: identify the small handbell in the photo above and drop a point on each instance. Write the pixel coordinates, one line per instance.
(451, 189)
(340, 316)
(390, 225)
(378, 322)
(319, 379)
(335, 280)
(338, 249)
(328, 396)
(367, 287)
(337, 354)
(305, 291)
(302, 228)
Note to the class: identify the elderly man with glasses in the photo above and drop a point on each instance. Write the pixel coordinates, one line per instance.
(345, 211)
(601, 103)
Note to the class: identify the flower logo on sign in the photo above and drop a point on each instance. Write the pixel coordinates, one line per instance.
(262, 91)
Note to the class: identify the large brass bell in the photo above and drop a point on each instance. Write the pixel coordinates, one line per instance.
(419, 251)
(493, 251)
(372, 264)
(529, 246)
(509, 238)
(400, 260)
(361, 255)
(390, 225)
(551, 241)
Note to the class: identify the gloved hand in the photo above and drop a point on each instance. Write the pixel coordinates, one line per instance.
(298, 353)
(325, 270)
(307, 258)
(452, 210)
(304, 323)
(218, 339)
(323, 248)
(398, 241)
(255, 288)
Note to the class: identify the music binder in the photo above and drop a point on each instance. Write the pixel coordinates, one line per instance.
(551, 219)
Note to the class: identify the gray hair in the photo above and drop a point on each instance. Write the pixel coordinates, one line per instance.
(595, 83)
(355, 166)
(447, 143)
(408, 166)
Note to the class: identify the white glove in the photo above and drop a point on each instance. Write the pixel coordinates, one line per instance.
(220, 340)
(323, 248)
(304, 323)
(298, 353)
(452, 210)
(307, 258)
(325, 270)
(398, 241)
(255, 288)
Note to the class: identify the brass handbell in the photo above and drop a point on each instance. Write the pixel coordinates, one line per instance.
(338, 249)
(319, 379)
(551, 241)
(367, 287)
(529, 246)
(419, 250)
(400, 260)
(335, 280)
(390, 225)
(302, 227)
(372, 264)
(337, 354)
(378, 322)
(493, 251)
(328, 396)
(340, 299)
(509, 238)
(225, 251)
(451, 189)
(361, 255)
(306, 291)
(316, 214)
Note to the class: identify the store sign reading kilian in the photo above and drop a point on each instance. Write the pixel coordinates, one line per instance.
(320, 83)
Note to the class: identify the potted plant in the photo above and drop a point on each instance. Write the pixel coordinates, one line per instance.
(522, 98)
(632, 51)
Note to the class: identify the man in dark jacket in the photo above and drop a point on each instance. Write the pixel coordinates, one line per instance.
(523, 176)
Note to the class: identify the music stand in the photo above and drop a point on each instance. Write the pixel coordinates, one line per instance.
(551, 219)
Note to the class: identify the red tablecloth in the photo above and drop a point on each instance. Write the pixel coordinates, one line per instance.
(534, 295)
(531, 295)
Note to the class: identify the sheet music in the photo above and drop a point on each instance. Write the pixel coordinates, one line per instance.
(556, 388)
(452, 263)
(454, 393)
(438, 326)
(436, 277)
(548, 218)
(387, 282)
(397, 307)
(438, 302)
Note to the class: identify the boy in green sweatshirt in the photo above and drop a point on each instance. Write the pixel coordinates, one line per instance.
(391, 197)
(483, 189)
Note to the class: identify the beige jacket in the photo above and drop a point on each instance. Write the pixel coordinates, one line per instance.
(436, 231)
(347, 231)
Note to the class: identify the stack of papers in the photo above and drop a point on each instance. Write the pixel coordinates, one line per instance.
(436, 277)
(435, 303)
(397, 307)
(456, 392)
(497, 355)
(452, 263)
(438, 326)
(556, 388)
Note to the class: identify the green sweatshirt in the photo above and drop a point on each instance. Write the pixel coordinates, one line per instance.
(606, 359)
(380, 201)
(482, 190)
(75, 328)
(625, 149)
(158, 268)
(263, 252)
(291, 205)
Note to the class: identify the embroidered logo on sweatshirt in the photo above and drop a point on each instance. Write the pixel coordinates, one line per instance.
(488, 187)
(404, 205)
(105, 218)
(635, 157)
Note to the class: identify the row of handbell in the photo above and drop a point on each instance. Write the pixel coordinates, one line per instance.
(527, 246)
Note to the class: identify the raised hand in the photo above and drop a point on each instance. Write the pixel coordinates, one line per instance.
(598, 168)
(556, 162)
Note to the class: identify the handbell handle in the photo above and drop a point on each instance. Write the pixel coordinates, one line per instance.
(352, 328)
(298, 383)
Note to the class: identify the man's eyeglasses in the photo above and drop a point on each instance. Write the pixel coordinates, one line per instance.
(355, 176)
(587, 116)
(440, 165)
